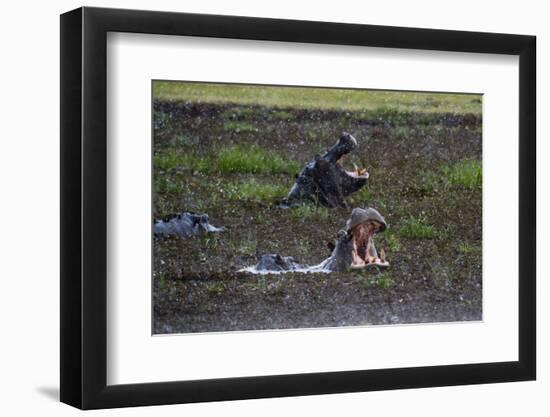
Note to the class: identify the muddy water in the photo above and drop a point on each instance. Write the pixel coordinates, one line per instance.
(197, 283)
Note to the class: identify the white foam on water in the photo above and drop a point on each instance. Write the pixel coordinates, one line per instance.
(309, 270)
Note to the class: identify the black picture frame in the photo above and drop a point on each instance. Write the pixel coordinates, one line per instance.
(84, 207)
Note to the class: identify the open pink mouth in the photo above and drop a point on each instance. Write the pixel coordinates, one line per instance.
(363, 252)
(356, 172)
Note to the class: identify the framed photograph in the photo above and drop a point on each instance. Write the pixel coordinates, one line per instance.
(256, 208)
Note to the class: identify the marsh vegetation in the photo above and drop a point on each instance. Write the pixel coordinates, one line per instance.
(233, 152)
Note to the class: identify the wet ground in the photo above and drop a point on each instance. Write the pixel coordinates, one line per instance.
(433, 242)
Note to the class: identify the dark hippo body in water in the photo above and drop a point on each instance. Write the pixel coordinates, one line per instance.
(324, 179)
(185, 225)
(354, 248)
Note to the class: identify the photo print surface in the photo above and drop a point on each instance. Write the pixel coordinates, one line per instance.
(280, 207)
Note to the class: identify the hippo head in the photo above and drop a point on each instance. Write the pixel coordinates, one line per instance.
(355, 246)
(361, 227)
(337, 155)
(324, 179)
(185, 225)
(201, 221)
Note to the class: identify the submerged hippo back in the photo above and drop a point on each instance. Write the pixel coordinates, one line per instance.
(185, 225)
(277, 262)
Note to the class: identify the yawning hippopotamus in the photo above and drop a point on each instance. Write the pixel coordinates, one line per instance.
(354, 248)
(325, 180)
(185, 225)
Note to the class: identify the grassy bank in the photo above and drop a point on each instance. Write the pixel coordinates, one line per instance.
(317, 98)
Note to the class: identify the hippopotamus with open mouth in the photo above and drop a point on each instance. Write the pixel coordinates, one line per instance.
(185, 225)
(325, 180)
(354, 248)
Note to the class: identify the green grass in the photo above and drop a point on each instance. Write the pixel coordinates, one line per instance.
(164, 206)
(214, 289)
(284, 115)
(429, 182)
(247, 247)
(165, 185)
(211, 241)
(382, 281)
(239, 127)
(308, 211)
(403, 132)
(391, 241)
(254, 160)
(173, 159)
(397, 115)
(184, 141)
(239, 113)
(467, 174)
(163, 281)
(468, 249)
(362, 196)
(389, 104)
(252, 189)
(417, 228)
(230, 160)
